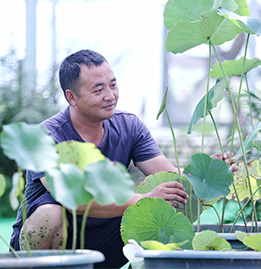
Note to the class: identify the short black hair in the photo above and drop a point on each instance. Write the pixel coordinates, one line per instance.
(70, 68)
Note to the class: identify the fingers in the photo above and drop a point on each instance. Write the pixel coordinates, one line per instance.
(225, 158)
(171, 192)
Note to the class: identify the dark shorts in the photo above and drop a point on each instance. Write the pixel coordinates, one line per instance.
(101, 234)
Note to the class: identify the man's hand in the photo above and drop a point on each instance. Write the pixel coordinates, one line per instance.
(225, 158)
(170, 192)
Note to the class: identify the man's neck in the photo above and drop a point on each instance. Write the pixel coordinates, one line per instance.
(91, 132)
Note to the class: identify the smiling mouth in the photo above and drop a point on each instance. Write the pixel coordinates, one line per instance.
(109, 106)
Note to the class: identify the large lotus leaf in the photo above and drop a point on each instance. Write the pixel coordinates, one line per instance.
(234, 67)
(191, 11)
(249, 25)
(65, 185)
(29, 145)
(241, 181)
(215, 94)
(181, 11)
(152, 181)
(186, 35)
(242, 9)
(2, 184)
(155, 219)
(79, 153)
(210, 240)
(249, 143)
(210, 178)
(253, 241)
(108, 182)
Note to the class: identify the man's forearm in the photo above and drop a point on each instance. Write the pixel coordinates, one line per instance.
(109, 211)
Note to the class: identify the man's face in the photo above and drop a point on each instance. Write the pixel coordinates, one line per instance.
(99, 93)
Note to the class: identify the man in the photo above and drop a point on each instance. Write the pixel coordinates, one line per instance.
(90, 87)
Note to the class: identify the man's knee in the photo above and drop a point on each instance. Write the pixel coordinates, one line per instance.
(44, 228)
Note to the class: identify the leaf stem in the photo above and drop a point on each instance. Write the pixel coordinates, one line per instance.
(84, 219)
(236, 118)
(74, 230)
(64, 228)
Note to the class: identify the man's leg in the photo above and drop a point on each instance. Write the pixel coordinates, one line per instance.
(44, 228)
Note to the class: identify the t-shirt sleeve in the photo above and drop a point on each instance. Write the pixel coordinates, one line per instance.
(145, 146)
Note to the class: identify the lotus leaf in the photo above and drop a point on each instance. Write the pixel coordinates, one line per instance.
(79, 153)
(195, 24)
(234, 67)
(155, 219)
(65, 185)
(241, 181)
(29, 145)
(108, 182)
(155, 245)
(210, 240)
(210, 178)
(152, 181)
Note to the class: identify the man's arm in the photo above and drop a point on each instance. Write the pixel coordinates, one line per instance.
(155, 165)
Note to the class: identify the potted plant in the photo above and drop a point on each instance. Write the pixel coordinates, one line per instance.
(206, 180)
(76, 174)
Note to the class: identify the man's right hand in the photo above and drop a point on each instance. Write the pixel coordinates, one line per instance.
(170, 191)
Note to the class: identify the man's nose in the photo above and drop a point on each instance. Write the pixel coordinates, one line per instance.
(109, 95)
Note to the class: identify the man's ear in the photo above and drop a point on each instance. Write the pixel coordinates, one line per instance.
(70, 97)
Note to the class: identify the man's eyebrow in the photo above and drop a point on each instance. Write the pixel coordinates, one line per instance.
(100, 84)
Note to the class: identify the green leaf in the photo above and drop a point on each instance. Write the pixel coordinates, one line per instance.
(30, 146)
(210, 240)
(249, 25)
(234, 67)
(240, 235)
(152, 181)
(65, 185)
(242, 9)
(155, 219)
(108, 182)
(79, 153)
(253, 241)
(163, 103)
(215, 94)
(185, 11)
(186, 35)
(241, 181)
(210, 178)
(155, 245)
(249, 143)
(17, 190)
(2, 184)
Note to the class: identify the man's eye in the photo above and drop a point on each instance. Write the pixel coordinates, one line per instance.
(99, 90)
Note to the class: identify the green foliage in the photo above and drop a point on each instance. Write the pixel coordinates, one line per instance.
(195, 26)
(210, 240)
(155, 219)
(152, 181)
(6, 210)
(34, 149)
(215, 95)
(14, 106)
(210, 178)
